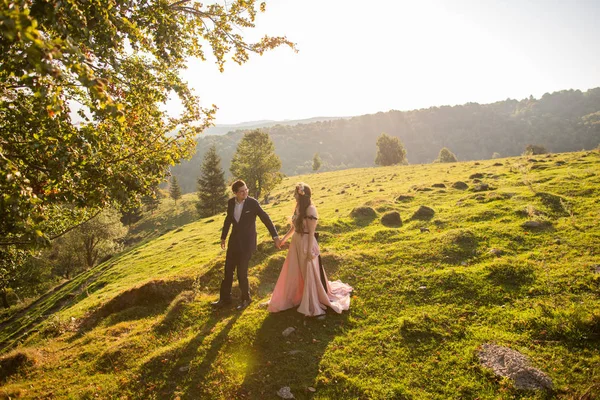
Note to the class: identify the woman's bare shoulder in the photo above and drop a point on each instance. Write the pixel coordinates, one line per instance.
(311, 211)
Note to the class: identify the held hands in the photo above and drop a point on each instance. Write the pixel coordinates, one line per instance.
(279, 243)
(223, 244)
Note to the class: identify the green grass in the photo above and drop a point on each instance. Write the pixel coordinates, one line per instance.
(140, 325)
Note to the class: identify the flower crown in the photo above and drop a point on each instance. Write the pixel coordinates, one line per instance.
(300, 188)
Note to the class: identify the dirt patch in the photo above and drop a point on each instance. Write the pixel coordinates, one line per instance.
(460, 185)
(391, 218)
(363, 212)
(511, 364)
(15, 363)
(423, 213)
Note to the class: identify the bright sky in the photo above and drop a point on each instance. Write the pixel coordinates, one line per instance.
(361, 57)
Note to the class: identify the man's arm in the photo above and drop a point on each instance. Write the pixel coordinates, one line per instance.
(226, 225)
(264, 217)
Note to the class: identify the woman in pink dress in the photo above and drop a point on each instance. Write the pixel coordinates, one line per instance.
(300, 283)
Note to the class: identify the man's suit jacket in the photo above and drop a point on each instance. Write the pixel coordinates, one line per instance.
(243, 234)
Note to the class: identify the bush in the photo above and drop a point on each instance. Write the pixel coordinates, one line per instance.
(534, 149)
(446, 156)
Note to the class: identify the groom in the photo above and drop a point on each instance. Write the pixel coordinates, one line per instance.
(241, 213)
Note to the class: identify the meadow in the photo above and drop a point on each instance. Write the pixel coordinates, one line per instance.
(502, 251)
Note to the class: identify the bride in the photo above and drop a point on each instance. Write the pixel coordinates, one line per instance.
(302, 282)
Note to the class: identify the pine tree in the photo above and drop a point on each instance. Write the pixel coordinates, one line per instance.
(316, 162)
(212, 190)
(174, 189)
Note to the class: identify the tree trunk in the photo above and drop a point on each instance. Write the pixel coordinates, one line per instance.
(4, 298)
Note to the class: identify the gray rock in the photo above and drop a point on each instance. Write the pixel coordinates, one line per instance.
(288, 331)
(285, 393)
(496, 252)
(511, 364)
(535, 224)
(596, 268)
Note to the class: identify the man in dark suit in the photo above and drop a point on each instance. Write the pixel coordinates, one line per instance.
(241, 213)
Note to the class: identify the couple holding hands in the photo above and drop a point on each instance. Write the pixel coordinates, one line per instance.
(302, 282)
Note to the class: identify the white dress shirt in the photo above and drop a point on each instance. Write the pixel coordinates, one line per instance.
(237, 210)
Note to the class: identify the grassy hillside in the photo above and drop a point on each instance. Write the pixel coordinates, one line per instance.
(428, 293)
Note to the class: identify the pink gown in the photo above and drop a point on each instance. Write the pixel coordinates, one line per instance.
(299, 284)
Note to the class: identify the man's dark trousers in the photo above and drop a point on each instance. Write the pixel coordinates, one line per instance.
(241, 244)
(236, 260)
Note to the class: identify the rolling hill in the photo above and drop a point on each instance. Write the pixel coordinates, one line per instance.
(500, 251)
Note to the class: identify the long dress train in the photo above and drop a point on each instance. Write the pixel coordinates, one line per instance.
(299, 283)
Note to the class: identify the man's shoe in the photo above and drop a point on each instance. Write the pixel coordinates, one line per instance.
(244, 304)
(220, 303)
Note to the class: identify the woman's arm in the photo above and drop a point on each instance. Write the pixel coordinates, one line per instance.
(287, 235)
(311, 225)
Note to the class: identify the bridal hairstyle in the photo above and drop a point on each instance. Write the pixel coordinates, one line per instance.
(304, 193)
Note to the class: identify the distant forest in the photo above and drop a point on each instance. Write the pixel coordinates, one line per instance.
(568, 120)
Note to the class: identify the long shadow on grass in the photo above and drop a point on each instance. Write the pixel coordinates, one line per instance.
(29, 319)
(292, 361)
(139, 302)
(174, 371)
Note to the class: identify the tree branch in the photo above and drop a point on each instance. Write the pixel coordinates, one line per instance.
(17, 243)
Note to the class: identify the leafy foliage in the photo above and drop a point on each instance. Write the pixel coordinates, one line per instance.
(10, 258)
(567, 120)
(390, 150)
(446, 156)
(316, 165)
(212, 191)
(256, 163)
(116, 64)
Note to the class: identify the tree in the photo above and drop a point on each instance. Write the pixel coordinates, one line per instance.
(151, 201)
(85, 245)
(11, 258)
(534, 149)
(131, 215)
(446, 156)
(316, 165)
(256, 163)
(99, 236)
(212, 190)
(174, 189)
(390, 150)
(118, 61)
